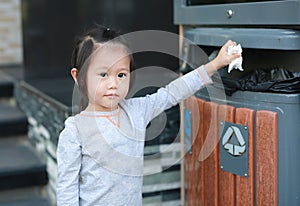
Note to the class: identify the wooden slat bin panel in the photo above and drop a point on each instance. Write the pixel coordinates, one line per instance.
(211, 154)
(245, 186)
(226, 179)
(266, 158)
(199, 163)
(210, 185)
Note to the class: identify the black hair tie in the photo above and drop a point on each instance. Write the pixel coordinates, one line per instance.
(106, 32)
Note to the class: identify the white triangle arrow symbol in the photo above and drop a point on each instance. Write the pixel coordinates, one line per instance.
(235, 150)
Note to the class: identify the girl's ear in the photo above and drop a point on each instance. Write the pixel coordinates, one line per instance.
(74, 74)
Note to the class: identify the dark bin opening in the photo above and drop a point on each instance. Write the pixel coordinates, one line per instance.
(276, 80)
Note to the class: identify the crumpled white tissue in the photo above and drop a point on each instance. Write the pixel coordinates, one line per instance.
(237, 63)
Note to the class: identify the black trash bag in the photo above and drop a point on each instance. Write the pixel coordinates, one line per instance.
(276, 80)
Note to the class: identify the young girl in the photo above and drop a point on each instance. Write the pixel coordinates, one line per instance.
(100, 151)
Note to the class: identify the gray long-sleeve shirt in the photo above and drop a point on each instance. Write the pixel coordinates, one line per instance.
(100, 163)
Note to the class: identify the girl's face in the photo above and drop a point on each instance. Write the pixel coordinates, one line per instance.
(108, 77)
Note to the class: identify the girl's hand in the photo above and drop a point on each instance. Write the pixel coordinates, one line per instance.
(222, 59)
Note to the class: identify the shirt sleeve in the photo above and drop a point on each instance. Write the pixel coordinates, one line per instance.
(175, 92)
(68, 165)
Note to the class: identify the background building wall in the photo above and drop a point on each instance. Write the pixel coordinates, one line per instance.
(10, 32)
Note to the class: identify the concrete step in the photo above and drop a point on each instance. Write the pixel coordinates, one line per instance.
(12, 120)
(6, 86)
(29, 196)
(32, 201)
(20, 165)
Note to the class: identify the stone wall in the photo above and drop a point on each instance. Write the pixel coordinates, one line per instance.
(10, 32)
(45, 121)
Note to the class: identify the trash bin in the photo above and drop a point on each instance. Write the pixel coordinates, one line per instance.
(243, 146)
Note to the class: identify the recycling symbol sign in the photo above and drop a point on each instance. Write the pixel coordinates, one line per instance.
(234, 148)
(233, 141)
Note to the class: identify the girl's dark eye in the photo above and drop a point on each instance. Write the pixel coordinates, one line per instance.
(103, 74)
(121, 75)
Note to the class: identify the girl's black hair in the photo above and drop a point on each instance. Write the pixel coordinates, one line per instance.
(84, 47)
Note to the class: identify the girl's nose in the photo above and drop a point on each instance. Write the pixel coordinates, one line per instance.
(113, 82)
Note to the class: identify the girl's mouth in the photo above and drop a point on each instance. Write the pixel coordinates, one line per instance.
(111, 95)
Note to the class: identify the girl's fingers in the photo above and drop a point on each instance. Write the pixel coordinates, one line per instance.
(227, 44)
(230, 43)
(223, 58)
(234, 56)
